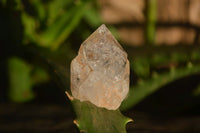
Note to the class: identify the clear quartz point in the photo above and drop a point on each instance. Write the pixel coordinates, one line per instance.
(100, 72)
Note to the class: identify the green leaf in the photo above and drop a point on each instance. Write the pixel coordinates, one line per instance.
(20, 81)
(144, 88)
(29, 24)
(55, 9)
(92, 119)
(56, 33)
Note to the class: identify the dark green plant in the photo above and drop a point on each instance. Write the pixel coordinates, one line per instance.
(91, 118)
(49, 24)
(156, 70)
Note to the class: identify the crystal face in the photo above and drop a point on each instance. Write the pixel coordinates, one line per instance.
(100, 72)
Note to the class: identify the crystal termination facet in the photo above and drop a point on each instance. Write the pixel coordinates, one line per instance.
(100, 72)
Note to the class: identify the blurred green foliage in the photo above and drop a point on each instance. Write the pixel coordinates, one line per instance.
(48, 24)
(158, 69)
(146, 87)
(20, 80)
(151, 16)
(57, 27)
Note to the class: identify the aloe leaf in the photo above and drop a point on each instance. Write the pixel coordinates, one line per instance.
(20, 81)
(29, 24)
(138, 92)
(93, 119)
(62, 27)
(55, 9)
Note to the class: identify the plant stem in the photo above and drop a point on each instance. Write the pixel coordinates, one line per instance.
(151, 21)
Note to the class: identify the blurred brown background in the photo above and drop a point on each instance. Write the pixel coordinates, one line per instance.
(178, 21)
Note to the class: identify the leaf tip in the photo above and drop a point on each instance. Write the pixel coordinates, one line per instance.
(76, 123)
(129, 120)
(69, 96)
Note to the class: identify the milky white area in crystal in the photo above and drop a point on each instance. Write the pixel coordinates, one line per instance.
(100, 72)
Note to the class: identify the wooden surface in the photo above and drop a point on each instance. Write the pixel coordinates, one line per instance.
(59, 119)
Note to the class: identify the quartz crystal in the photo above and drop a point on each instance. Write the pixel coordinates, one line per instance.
(100, 72)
